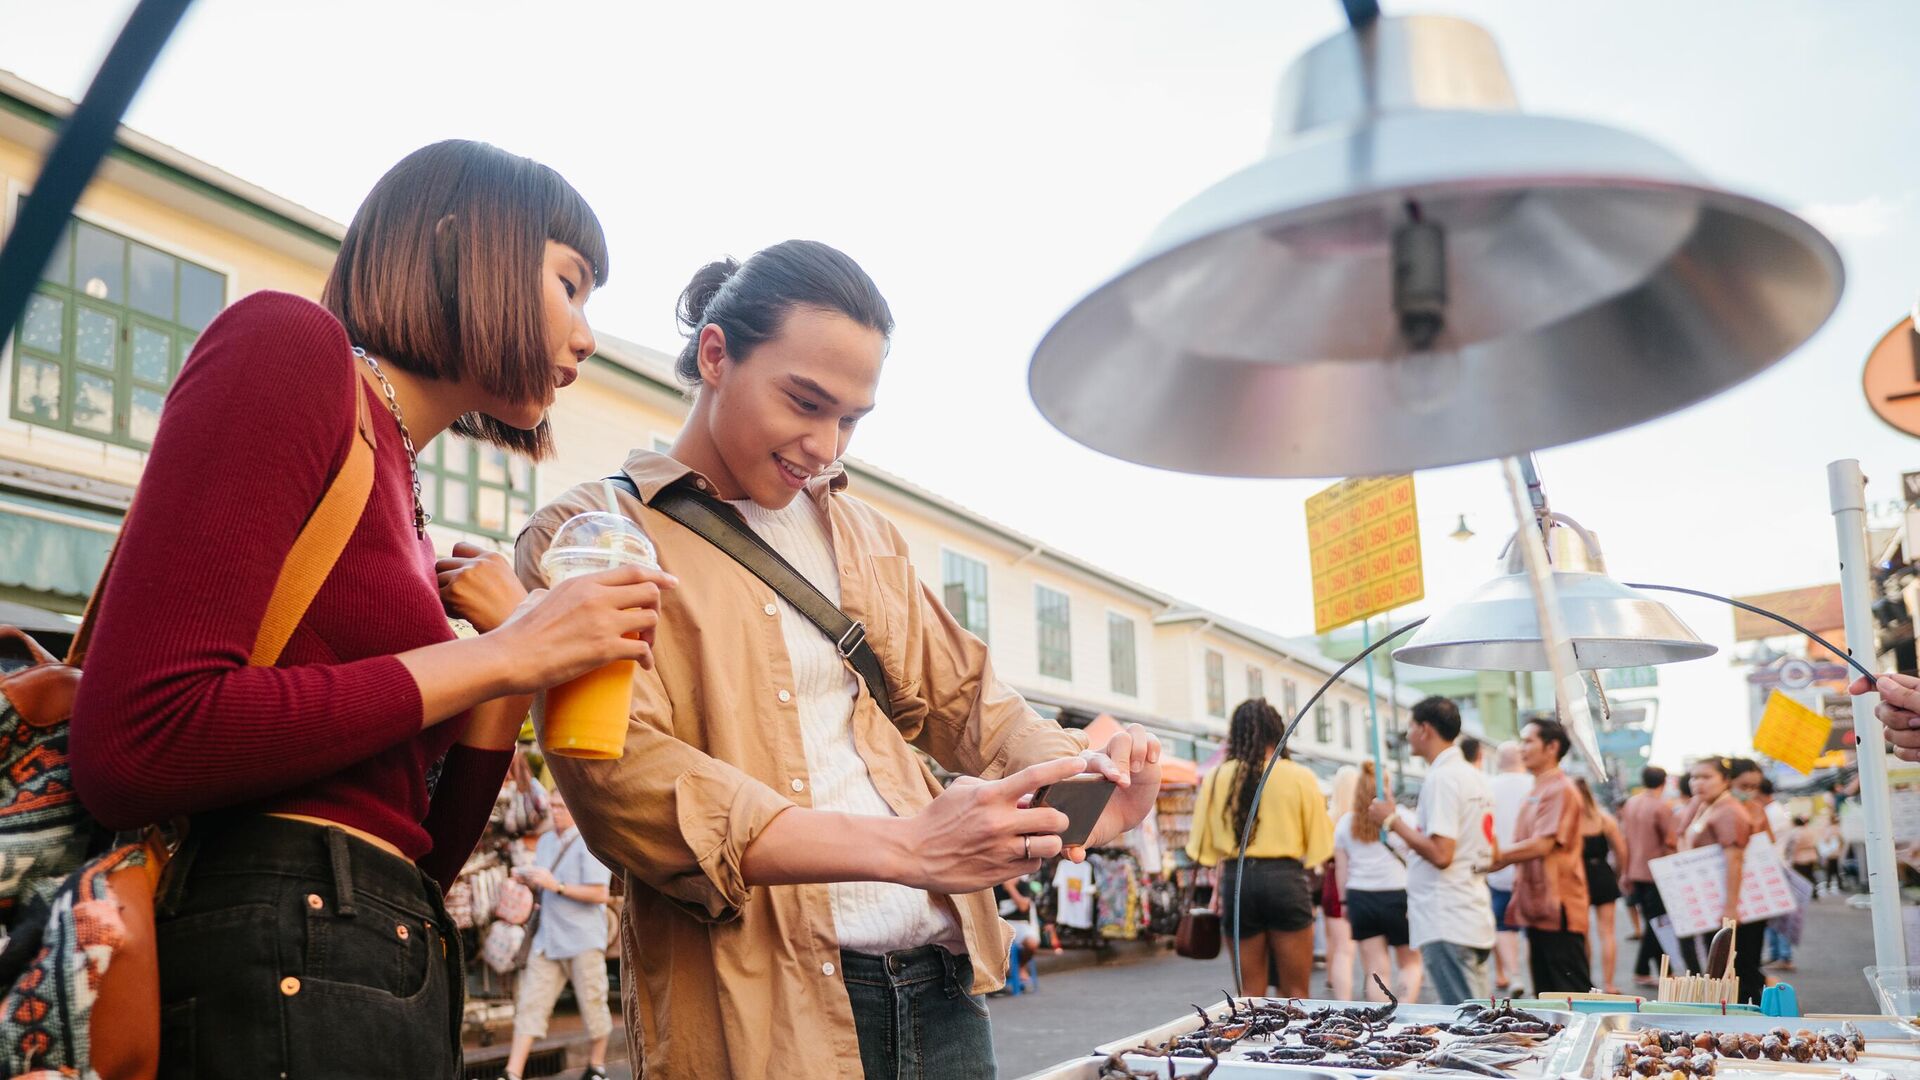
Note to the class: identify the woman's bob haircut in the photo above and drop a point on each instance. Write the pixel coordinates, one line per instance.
(440, 274)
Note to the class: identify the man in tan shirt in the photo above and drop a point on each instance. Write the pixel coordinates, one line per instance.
(1550, 889)
(803, 898)
(1649, 825)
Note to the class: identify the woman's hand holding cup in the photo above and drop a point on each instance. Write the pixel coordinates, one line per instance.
(584, 623)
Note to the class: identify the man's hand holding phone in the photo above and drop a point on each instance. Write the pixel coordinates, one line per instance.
(1131, 760)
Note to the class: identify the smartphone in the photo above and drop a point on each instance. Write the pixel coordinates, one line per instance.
(1082, 799)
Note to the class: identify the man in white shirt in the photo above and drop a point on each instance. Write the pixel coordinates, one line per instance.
(1449, 909)
(1510, 785)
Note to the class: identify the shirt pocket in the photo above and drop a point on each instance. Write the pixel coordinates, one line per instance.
(895, 593)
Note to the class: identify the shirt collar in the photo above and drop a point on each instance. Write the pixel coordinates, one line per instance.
(1451, 753)
(653, 472)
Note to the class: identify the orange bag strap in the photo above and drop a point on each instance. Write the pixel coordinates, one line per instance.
(321, 540)
(309, 561)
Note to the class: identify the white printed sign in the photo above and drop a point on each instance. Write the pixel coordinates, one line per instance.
(1693, 885)
(1905, 804)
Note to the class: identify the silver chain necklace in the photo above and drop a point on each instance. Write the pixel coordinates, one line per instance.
(420, 516)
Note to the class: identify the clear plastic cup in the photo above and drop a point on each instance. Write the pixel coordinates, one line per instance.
(587, 716)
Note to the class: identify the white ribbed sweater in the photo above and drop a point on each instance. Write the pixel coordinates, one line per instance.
(869, 916)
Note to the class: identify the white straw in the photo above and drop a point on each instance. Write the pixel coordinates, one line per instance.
(613, 501)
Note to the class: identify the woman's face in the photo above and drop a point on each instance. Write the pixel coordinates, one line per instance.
(1746, 786)
(1706, 782)
(786, 412)
(565, 283)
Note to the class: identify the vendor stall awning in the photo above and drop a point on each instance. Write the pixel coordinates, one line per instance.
(53, 547)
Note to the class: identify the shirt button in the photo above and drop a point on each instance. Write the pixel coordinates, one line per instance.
(289, 986)
(400, 931)
(785, 697)
(826, 969)
(799, 784)
(771, 610)
(314, 901)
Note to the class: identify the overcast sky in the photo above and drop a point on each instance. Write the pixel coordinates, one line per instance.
(990, 163)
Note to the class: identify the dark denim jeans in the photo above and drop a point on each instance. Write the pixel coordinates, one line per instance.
(916, 1016)
(294, 950)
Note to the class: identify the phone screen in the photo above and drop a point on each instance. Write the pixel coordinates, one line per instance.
(1082, 799)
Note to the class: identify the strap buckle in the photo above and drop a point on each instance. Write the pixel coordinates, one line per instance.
(850, 641)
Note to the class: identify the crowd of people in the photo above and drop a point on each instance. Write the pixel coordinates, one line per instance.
(1449, 893)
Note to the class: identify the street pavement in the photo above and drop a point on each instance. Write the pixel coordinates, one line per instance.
(1089, 1004)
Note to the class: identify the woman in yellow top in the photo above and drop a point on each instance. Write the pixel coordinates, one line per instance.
(1291, 833)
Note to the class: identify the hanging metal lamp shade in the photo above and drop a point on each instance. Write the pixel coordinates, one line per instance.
(1420, 275)
(1497, 627)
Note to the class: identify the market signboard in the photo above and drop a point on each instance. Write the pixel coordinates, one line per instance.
(1363, 541)
(1791, 733)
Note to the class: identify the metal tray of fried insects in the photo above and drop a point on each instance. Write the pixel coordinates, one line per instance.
(1363, 1039)
(1115, 1067)
(1651, 1046)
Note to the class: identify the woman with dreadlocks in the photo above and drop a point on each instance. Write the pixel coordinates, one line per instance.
(1291, 832)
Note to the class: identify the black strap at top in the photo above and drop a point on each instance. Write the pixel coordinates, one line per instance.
(722, 527)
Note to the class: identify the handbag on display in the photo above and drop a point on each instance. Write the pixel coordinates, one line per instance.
(504, 946)
(515, 903)
(1198, 936)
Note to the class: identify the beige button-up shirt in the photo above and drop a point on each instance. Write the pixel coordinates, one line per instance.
(723, 978)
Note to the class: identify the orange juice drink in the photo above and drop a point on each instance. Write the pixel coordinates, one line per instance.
(586, 717)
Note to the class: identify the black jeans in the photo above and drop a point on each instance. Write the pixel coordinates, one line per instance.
(917, 1016)
(1647, 899)
(1559, 961)
(294, 950)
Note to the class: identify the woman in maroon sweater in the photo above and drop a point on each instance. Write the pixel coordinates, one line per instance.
(301, 931)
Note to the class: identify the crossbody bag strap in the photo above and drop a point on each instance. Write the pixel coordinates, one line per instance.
(720, 526)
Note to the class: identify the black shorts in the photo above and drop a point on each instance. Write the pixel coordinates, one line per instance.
(1377, 914)
(1275, 896)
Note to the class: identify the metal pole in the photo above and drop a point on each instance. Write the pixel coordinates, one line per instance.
(1393, 716)
(1373, 715)
(1570, 690)
(1847, 494)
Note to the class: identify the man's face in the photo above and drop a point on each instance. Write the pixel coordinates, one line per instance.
(1420, 739)
(562, 819)
(1535, 753)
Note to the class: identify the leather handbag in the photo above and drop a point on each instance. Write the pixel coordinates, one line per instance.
(80, 971)
(1198, 936)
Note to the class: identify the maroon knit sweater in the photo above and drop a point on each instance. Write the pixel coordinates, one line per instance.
(170, 719)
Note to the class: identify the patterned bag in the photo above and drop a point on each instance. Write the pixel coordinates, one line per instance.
(515, 904)
(502, 947)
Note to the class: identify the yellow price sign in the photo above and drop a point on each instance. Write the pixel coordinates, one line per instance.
(1363, 544)
(1791, 733)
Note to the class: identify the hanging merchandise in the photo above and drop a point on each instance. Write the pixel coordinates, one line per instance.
(522, 805)
(500, 946)
(1073, 887)
(1116, 896)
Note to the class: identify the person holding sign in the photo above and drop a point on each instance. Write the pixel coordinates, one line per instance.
(1718, 818)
